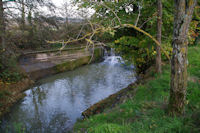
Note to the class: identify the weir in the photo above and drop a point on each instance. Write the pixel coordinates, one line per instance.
(41, 64)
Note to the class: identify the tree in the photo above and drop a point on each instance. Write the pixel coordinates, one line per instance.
(2, 27)
(182, 17)
(128, 41)
(159, 36)
(23, 21)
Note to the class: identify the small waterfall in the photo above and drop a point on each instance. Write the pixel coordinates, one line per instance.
(112, 52)
(111, 58)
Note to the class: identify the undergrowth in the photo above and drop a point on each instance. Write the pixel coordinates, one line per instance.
(9, 71)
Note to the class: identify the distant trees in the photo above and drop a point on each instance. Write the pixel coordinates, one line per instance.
(183, 13)
(20, 21)
(24, 25)
(23, 21)
(2, 27)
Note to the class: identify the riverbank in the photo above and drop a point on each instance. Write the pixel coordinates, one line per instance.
(11, 92)
(146, 111)
(54, 103)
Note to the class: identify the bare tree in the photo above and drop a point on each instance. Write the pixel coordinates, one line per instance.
(23, 21)
(182, 17)
(2, 27)
(159, 35)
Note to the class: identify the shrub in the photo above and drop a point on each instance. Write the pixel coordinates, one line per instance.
(9, 71)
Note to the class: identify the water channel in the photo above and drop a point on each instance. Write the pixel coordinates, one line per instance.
(56, 102)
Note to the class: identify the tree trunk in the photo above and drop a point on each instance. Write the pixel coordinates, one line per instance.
(30, 17)
(159, 36)
(23, 15)
(182, 17)
(2, 27)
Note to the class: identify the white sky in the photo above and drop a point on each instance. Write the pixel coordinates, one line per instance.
(71, 9)
(59, 2)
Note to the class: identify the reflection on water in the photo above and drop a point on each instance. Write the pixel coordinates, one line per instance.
(55, 103)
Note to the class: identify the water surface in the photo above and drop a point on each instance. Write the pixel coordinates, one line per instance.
(55, 103)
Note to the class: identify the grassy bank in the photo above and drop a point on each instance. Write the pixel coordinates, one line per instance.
(146, 111)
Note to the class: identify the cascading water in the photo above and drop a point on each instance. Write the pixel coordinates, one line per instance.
(55, 103)
(113, 59)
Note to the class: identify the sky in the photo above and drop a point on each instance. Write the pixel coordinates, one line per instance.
(59, 2)
(72, 9)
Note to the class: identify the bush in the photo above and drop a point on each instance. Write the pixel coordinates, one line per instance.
(140, 51)
(9, 71)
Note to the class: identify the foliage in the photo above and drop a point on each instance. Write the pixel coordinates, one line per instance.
(132, 45)
(44, 28)
(194, 32)
(141, 53)
(146, 112)
(9, 71)
(17, 128)
(4, 94)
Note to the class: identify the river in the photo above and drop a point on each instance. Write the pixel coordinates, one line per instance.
(55, 103)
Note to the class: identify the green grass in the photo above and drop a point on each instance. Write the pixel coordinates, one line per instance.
(146, 111)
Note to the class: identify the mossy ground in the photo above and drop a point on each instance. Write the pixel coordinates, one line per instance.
(146, 111)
